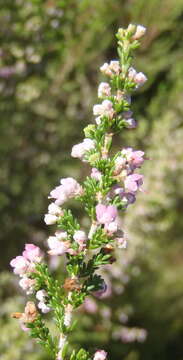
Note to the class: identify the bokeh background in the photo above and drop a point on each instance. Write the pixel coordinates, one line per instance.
(50, 53)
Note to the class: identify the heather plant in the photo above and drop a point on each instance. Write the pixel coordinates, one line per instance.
(109, 189)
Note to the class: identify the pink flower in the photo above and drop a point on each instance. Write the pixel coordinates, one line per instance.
(120, 163)
(68, 189)
(137, 158)
(115, 66)
(130, 123)
(32, 253)
(105, 69)
(140, 78)
(121, 243)
(43, 307)
(79, 150)
(41, 295)
(111, 69)
(96, 174)
(20, 265)
(26, 263)
(112, 227)
(106, 214)
(100, 355)
(104, 89)
(80, 237)
(104, 109)
(59, 195)
(134, 158)
(133, 182)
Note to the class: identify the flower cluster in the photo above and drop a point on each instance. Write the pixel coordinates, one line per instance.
(25, 264)
(110, 188)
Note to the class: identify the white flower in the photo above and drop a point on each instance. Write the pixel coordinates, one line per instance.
(100, 355)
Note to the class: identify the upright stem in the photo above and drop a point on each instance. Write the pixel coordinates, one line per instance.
(67, 323)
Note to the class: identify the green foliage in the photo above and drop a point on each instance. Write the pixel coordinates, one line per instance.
(41, 333)
(81, 355)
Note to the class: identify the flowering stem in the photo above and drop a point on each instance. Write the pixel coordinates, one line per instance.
(111, 187)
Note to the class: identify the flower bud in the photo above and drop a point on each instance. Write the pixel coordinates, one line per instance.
(50, 219)
(140, 31)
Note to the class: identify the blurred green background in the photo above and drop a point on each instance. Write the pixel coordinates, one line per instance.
(50, 53)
